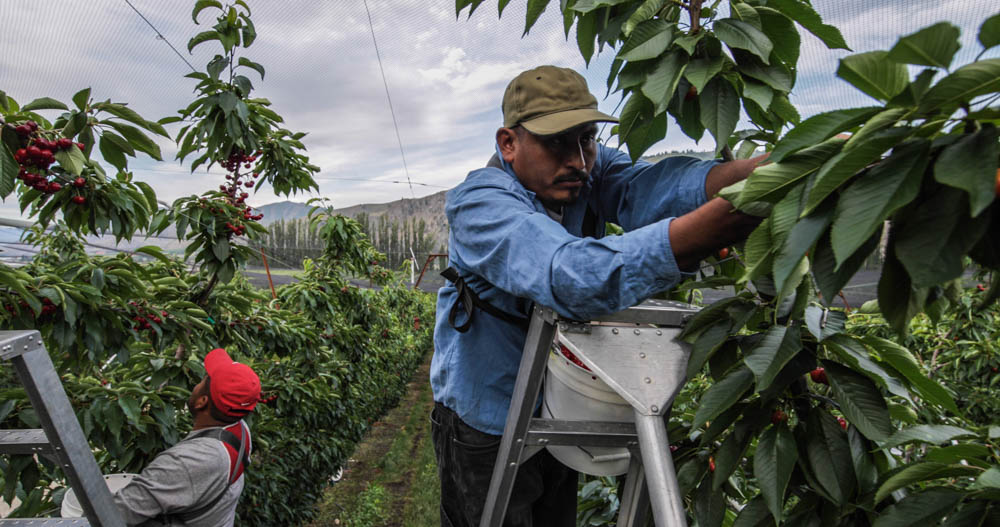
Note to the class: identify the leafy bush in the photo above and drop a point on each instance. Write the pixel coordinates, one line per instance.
(960, 348)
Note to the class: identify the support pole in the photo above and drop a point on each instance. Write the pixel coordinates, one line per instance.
(268, 269)
(664, 492)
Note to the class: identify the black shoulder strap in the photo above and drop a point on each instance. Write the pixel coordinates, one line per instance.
(589, 228)
(467, 297)
(469, 300)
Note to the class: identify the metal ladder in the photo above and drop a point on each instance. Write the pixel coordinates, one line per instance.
(643, 363)
(60, 438)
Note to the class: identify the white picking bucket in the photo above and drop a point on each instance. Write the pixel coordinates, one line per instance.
(574, 393)
(71, 507)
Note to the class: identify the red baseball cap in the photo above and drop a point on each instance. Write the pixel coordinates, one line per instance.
(235, 388)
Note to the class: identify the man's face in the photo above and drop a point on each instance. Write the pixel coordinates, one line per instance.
(553, 167)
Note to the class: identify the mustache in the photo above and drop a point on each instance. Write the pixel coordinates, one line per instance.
(573, 177)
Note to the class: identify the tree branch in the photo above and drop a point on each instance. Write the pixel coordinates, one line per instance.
(694, 9)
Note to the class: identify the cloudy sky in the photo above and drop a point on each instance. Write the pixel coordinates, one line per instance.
(445, 76)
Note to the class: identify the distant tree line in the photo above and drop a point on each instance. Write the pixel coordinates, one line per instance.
(395, 239)
(288, 242)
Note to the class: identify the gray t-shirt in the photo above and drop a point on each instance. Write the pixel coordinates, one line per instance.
(178, 482)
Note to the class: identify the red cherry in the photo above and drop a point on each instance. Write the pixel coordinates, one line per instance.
(53, 187)
(79, 200)
(711, 463)
(32, 125)
(843, 422)
(79, 182)
(34, 152)
(21, 155)
(80, 146)
(723, 252)
(779, 417)
(691, 93)
(819, 376)
(22, 130)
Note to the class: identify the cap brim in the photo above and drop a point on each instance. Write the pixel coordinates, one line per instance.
(215, 358)
(558, 122)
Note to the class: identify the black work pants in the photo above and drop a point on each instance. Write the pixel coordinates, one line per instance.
(544, 493)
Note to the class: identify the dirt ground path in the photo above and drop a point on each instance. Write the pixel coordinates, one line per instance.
(391, 479)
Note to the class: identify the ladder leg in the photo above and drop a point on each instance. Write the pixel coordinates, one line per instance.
(634, 511)
(522, 405)
(664, 492)
(63, 430)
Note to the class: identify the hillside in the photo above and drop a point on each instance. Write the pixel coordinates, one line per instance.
(428, 208)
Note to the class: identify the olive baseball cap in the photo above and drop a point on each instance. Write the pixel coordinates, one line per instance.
(548, 100)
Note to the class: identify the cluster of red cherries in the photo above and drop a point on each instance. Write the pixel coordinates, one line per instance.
(35, 157)
(47, 308)
(237, 180)
(143, 318)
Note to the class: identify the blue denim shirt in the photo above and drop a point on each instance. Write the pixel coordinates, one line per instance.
(512, 253)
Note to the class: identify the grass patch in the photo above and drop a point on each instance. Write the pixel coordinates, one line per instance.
(423, 507)
(391, 480)
(369, 509)
(279, 272)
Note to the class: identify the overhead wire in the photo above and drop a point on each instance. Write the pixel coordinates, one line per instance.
(385, 84)
(160, 35)
(381, 181)
(378, 55)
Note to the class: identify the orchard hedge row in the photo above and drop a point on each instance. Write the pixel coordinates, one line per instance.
(332, 358)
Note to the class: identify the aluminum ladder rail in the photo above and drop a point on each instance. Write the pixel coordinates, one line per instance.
(645, 364)
(60, 437)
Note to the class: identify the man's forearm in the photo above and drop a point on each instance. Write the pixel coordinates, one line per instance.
(704, 230)
(715, 224)
(725, 174)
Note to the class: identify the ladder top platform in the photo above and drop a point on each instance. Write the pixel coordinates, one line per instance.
(666, 313)
(18, 342)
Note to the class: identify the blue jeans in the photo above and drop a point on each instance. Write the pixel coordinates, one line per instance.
(544, 493)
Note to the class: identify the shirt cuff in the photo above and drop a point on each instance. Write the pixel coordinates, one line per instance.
(652, 271)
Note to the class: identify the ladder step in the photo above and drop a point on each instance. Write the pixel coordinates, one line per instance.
(38, 522)
(544, 432)
(26, 441)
